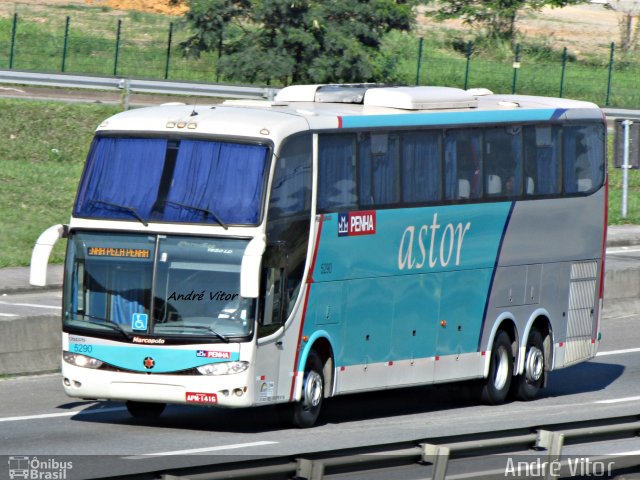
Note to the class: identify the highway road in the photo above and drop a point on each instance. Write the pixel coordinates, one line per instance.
(37, 419)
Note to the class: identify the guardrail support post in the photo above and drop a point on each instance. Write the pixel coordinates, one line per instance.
(438, 456)
(552, 442)
(309, 469)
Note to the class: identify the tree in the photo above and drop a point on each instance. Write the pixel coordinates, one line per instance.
(295, 41)
(498, 17)
(628, 19)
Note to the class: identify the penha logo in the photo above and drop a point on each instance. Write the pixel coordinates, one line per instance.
(357, 223)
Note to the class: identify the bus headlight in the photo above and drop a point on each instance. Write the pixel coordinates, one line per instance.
(223, 368)
(81, 360)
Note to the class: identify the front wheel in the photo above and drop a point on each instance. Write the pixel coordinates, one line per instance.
(307, 410)
(497, 384)
(527, 385)
(145, 410)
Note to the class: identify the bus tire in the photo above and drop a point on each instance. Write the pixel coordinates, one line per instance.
(145, 410)
(307, 410)
(527, 385)
(497, 384)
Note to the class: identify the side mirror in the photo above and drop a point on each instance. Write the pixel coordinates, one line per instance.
(250, 267)
(41, 252)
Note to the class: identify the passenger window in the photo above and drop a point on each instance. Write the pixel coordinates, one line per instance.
(336, 179)
(542, 161)
(582, 152)
(463, 164)
(378, 169)
(503, 161)
(421, 154)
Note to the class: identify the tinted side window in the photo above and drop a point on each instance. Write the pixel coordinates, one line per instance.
(542, 160)
(463, 164)
(336, 173)
(503, 161)
(421, 161)
(582, 153)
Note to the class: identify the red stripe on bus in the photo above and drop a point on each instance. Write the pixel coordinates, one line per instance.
(339, 122)
(304, 310)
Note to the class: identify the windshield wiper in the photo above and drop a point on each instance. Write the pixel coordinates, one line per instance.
(198, 209)
(197, 327)
(105, 322)
(126, 208)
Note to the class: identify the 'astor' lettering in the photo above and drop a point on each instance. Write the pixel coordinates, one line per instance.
(427, 243)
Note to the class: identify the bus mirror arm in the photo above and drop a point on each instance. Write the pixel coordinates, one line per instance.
(250, 267)
(41, 252)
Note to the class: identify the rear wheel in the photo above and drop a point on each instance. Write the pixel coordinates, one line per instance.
(307, 410)
(145, 410)
(497, 384)
(527, 385)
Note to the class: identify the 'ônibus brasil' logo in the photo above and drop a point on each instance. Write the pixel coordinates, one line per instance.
(357, 223)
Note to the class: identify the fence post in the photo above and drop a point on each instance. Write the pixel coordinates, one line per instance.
(466, 72)
(564, 65)
(115, 62)
(13, 39)
(516, 66)
(420, 44)
(166, 68)
(64, 47)
(613, 47)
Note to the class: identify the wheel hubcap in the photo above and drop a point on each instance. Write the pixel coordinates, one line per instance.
(312, 390)
(534, 365)
(502, 369)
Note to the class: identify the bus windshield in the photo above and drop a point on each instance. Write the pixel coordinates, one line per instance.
(187, 181)
(192, 286)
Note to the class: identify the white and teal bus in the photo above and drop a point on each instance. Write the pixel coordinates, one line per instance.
(338, 239)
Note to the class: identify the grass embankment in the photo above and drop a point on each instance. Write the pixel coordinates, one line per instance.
(42, 149)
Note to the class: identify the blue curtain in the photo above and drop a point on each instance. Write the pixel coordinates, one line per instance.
(226, 179)
(450, 168)
(421, 167)
(336, 185)
(121, 171)
(378, 173)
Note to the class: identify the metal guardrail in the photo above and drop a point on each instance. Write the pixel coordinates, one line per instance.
(486, 453)
(134, 85)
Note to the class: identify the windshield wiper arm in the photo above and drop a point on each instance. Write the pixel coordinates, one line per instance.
(198, 327)
(105, 322)
(126, 208)
(198, 209)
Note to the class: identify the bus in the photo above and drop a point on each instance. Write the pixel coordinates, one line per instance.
(335, 239)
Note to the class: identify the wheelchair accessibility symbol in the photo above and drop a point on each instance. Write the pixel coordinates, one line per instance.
(139, 321)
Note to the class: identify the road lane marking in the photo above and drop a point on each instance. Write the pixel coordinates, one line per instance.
(202, 450)
(618, 352)
(33, 305)
(614, 250)
(62, 414)
(619, 400)
(8, 315)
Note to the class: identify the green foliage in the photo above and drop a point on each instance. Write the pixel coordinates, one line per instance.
(284, 41)
(497, 18)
